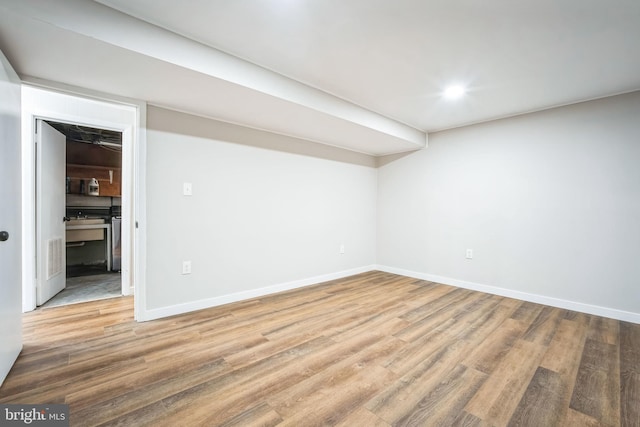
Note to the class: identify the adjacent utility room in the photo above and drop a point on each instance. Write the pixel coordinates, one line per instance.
(93, 209)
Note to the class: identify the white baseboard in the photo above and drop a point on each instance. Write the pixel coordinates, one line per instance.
(173, 310)
(612, 313)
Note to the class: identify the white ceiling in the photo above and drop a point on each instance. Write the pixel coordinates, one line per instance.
(366, 75)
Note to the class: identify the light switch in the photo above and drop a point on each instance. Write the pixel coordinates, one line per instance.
(187, 189)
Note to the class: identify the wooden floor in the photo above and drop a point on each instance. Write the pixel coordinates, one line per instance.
(371, 350)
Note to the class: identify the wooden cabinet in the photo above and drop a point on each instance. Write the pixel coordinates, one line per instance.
(109, 178)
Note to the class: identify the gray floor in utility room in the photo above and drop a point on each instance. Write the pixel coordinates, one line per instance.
(87, 285)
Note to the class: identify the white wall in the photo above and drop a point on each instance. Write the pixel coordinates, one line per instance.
(260, 219)
(549, 202)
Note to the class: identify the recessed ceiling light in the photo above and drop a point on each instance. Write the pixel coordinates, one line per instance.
(454, 92)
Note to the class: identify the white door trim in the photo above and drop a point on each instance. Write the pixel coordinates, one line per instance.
(51, 101)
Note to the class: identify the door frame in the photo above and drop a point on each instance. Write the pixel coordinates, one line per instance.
(61, 103)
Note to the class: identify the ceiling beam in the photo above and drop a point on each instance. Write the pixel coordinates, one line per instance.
(102, 23)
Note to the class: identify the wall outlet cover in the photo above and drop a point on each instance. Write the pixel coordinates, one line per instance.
(186, 267)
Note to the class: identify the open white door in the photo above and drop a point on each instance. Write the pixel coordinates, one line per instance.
(50, 225)
(10, 219)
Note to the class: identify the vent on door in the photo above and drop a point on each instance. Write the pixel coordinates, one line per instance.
(54, 257)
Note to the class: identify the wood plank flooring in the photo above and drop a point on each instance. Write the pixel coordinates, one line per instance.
(374, 349)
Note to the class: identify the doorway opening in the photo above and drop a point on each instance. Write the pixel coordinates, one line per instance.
(92, 214)
(108, 117)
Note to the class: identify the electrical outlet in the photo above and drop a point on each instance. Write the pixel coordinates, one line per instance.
(469, 254)
(186, 267)
(342, 248)
(187, 189)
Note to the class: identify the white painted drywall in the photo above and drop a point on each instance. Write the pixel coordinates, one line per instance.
(549, 202)
(258, 217)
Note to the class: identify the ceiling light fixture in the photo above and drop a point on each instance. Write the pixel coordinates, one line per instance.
(454, 92)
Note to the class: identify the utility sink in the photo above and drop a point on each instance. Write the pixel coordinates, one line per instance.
(85, 234)
(85, 221)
